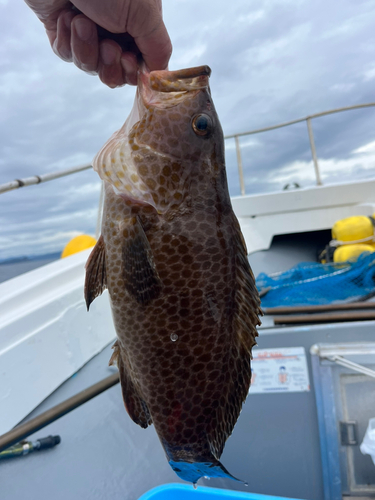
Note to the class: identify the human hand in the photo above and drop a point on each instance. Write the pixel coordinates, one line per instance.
(105, 37)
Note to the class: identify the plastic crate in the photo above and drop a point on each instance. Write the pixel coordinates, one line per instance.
(176, 491)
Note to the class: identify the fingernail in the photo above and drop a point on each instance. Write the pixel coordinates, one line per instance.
(84, 28)
(127, 65)
(130, 71)
(108, 54)
(67, 20)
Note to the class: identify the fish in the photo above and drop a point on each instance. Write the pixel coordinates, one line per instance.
(171, 254)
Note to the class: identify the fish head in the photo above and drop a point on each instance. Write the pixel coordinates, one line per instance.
(177, 115)
(171, 140)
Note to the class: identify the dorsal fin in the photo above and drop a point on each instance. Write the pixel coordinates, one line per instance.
(245, 319)
(141, 277)
(134, 404)
(247, 296)
(96, 277)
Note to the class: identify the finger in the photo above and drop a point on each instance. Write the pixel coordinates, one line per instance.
(109, 66)
(85, 44)
(61, 45)
(52, 35)
(142, 19)
(159, 7)
(130, 67)
(48, 11)
(110, 14)
(156, 47)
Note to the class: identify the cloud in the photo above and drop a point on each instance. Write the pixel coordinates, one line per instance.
(367, 148)
(187, 57)
(272, 61)
(331, 170)
(50, 241)
(342, 87)
(359, 164)
(369, 74)
(251, 17)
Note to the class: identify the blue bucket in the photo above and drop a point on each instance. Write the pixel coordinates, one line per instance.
(176, 491)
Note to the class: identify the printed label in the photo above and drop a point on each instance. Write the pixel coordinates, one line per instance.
(279, 370)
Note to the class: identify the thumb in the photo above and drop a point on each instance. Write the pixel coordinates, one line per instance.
(156, 47)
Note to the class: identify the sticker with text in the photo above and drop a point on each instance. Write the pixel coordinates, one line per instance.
(279, 370)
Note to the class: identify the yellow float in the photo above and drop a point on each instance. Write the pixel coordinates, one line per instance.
(352, 229)
(354, 236)
(78, 244)
(351, 252)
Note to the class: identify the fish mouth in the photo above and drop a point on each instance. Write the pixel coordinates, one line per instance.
(167, 88)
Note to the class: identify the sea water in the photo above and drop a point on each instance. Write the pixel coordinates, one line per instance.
(13, 268)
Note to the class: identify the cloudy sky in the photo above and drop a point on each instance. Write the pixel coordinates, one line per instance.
(272, 61)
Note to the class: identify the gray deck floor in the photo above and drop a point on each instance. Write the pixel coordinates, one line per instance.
(102, 453)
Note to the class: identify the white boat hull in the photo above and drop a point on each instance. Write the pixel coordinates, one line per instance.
(46, 334)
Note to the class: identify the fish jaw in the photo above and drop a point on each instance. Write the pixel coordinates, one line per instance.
(163, 89)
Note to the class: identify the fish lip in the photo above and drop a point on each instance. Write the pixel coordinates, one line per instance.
(154, 86)
(201, 72)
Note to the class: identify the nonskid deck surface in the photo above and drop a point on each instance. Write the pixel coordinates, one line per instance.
(102, 453)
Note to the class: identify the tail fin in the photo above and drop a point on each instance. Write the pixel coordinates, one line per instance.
(192, 471)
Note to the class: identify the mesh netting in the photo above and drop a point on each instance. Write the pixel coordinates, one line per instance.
(316, 284)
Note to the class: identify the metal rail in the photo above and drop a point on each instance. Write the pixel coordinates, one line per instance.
(307, 119)
(37, 179)
(299, 120)
(337, 353)
(340, 360)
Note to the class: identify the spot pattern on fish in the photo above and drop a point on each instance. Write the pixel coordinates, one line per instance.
(182, 293)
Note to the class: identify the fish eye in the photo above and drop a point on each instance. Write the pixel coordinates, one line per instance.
(202, 124)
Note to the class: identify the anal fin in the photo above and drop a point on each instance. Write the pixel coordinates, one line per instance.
(96, 276)
(134, 404)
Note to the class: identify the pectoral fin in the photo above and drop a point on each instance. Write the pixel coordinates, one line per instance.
(141, 277)
(134, 404)
(96, 277)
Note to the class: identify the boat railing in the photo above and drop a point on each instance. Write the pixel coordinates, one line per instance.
(306, 119)
(37, 179)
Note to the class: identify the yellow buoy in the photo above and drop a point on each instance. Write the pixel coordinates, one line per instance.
(78, 244)
(353, 229)
(351, 252)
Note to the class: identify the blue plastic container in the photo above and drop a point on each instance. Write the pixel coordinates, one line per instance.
(177, 491)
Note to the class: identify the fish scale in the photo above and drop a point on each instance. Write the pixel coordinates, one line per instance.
(183, 298)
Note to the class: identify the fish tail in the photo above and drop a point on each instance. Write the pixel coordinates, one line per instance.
(193, 471)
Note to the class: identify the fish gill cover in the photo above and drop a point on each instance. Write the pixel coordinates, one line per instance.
(171, 253)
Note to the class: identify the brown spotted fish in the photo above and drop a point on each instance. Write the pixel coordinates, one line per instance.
(173, 258)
